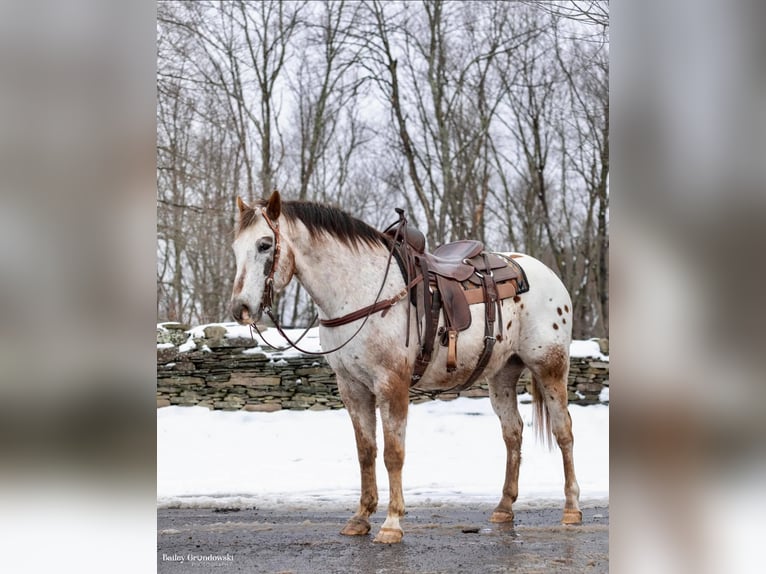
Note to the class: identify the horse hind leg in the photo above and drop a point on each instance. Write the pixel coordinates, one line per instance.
(360, 403)
(549, 395)
(502, 394)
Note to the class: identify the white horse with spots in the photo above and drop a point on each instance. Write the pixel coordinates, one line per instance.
(342, 262)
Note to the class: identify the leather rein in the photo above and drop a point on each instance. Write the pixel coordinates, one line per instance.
(363, 313)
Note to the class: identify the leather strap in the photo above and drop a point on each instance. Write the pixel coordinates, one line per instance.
(268, 287)
(383, 305)
(490, 291)
(486, 353)
(504, 291)
(432, 306)
(451, 350)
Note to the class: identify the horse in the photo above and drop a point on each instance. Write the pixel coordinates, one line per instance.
(345, 264)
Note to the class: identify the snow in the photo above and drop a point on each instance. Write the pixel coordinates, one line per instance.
(455, 454)
(252, 351)
(189, 345)
(275, 344)
(588, 348)
(310, 342)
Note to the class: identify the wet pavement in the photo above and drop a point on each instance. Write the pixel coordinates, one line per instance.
(437, 539)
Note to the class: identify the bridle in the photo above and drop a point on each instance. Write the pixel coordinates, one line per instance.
(268, 287)
(364, 313)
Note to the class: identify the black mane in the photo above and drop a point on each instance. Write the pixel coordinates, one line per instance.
(324, 219)
(320, 219)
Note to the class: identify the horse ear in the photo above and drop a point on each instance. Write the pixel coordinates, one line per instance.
(274, 206)
(241, 205)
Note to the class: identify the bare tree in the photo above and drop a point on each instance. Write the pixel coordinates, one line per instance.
(559, 153)
(243, 48)
(486, 120)
(174, 118)
(268, 31)
(586, 68)
(531, 81)
(435, 66)
(325, 89)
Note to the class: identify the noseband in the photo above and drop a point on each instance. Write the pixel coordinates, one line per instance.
(268, 288)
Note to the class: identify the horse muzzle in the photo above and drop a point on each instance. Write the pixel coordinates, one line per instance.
(243, 314)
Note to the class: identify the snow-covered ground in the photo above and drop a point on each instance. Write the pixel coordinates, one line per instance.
(454, 453)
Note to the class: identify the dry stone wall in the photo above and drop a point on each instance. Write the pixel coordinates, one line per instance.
(235, 374)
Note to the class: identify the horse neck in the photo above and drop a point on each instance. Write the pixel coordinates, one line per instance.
(339, 278)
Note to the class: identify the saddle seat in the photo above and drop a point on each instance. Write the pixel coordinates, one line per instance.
(450, 260)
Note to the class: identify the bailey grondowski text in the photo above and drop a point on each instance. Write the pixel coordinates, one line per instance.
(197, 557)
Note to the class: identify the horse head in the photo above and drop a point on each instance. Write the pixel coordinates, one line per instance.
(263, 257)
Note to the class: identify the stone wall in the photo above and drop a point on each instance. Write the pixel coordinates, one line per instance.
(233, 374)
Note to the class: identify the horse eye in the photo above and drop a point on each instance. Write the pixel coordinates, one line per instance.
(264, 244)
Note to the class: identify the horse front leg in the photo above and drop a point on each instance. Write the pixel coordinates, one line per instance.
(393, 411)
(360, 403)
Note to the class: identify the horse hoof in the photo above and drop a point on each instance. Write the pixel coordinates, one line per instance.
(389, 536)
(356, 526)
(571, 517)
(501, 516)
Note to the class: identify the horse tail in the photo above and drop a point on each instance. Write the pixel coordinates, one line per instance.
(542, 417)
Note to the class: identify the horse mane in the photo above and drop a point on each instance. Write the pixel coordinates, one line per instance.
(322, 219)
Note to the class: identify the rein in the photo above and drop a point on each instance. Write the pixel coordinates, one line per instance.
(363, 313)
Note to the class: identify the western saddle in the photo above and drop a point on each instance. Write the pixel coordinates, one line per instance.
(455, 276)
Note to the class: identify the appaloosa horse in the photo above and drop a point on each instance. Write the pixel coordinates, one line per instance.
(344, 265)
